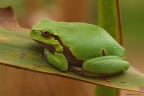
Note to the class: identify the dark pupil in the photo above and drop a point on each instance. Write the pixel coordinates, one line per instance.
(46, 34)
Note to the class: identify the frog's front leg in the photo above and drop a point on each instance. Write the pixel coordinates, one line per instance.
(104, 66)
(58, 60)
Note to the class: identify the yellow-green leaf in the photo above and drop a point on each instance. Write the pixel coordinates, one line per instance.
(18, 50)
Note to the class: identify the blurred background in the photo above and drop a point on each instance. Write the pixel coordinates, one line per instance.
(17, 82)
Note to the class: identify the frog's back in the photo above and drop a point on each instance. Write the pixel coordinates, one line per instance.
(84, 40)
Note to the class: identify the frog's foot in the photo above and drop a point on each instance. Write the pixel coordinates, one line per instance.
(104, 66)
(80, 71)
(58, 60)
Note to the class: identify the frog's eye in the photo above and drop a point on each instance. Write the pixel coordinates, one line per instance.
(45, 33)
(103, 52)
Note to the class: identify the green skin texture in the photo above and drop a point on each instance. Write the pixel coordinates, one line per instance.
(86, 42)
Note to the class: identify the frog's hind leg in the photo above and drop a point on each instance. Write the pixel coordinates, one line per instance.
(105, 65)
(83, 72)
(56, 59)
(101, 66)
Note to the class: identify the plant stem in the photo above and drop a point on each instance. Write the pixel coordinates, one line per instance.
(109, 19)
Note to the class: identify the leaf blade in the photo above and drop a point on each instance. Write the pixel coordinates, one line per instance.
(17, 49)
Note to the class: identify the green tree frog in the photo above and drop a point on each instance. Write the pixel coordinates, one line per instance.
(80, 47)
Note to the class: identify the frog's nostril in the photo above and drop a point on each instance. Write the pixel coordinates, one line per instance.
(33, 30)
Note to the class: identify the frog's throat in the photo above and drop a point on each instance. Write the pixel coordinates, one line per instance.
(66, 51)
(51, 48)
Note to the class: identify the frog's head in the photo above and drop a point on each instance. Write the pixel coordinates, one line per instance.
(45, 37)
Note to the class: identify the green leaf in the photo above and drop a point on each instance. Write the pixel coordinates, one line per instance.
(18, 50)
(109, 19)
